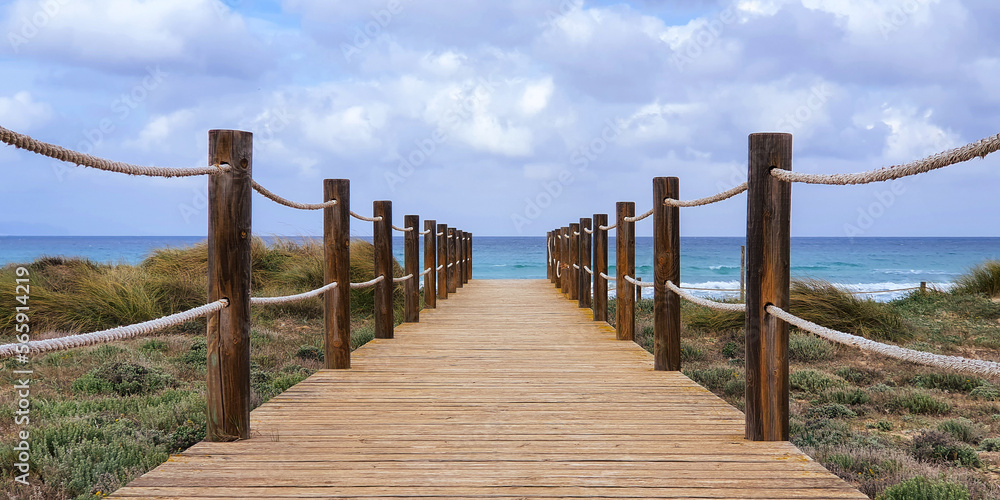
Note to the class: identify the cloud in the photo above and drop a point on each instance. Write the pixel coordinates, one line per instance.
(21, 112)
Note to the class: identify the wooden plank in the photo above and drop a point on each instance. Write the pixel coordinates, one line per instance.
(475, 403)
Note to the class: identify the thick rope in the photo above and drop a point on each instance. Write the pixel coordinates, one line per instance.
(451, 264)
(588, 230)
(426, 272)
(576, 266)
(640, 217)
(402, 229)
(119, 333)
(368, 283)
(425, 232)
(589, 270)
(902, 353)
(883, 291)
(402, 279)
(84, 160)
(440, 267)
(721, 306)
(608, 228)
(711, 289)
(641, 284)
(609, 278)
(558, 269)
(289, 203)
(576, 233)
(366, 219)
(708, 200)
(980, 149)
(292, 298)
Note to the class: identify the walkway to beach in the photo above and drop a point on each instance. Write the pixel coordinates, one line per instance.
(506, 390)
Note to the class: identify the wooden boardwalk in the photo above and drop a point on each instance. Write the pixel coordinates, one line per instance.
(507, 390)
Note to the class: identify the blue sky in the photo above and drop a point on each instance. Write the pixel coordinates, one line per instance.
(502, 118)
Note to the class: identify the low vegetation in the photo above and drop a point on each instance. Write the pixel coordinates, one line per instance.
(103, 415)
(893, 429)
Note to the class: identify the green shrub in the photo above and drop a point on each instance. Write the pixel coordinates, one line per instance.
(811, 381)
(713, 320)
(808, 348)
(919, 403)
(920, 488)
(884, 425)
(197, 354)
(830, 410)
(714, 379)
(963, 430)
(153, 345)
(853, 396)
(691, 352)
(935, 446)
(985, 392)
(952, 382)
(983, 279)
(858, 376)
(122, 378)
(310, 352)
(732, 350)
(825, 304)
(990, 444)
(821, 432)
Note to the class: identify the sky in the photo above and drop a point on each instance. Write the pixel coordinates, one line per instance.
(499, 117)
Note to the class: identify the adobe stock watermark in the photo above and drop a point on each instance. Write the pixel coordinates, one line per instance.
(702, 39)
(899, 15)
(424, 149)
(551, 190)
(120, 109)
(818, 97)
(365, 35)
(868, 215)
(31, 26)
(274, 122)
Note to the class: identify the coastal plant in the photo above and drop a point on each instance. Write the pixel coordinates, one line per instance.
(807, 348)
(919, 403)
(963, 430)
(823, 303)
(811, 381)
(936, 446)
(947, 381)
(982, 279)
(921, 488)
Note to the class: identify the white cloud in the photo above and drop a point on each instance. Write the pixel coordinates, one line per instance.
(21, 112)
(536, 96)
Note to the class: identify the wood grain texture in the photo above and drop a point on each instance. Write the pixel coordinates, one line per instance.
(541, 404)
(586, 280)
(411, 261)
(430, 262)
(600, 266)
(768, 231)
(666, 267)
(573, 245)
(452, 259)
(337, 268)
(625, 266)
(229, 233)
(382, 241)
(442, 274)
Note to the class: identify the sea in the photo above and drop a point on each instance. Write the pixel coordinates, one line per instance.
(711, 263)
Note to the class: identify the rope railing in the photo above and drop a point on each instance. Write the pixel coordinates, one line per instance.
(358, 216)
(588, 230)
(113, 334)
(402, 278)
(368, 283)
(289, 203)
(924, 358)
(708, 200)
(609, 278)
(978, 149)
(426, 272)
(293, 298)
(576, 266)
(60, 153)
(425, 232)
(641, 284)
(608, 228)
(402, 229)
(589, 270)
(440, 267)
(721, 306)
(640, 217)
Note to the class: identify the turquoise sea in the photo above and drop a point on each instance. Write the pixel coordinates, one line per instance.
(857, 263)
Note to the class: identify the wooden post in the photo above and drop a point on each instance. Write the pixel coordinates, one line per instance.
(743, 273)
(228, 376)
(586, 280)
(548, 256)
(337, 268)
(557, 256)
(468, 256)
(430, 262)
(465, 256)
(564, 267)
(625, 254)
(382, 236)
(452, 260)
(459, 258)
(768, 207)
(923, 287)
(666, 267)
(574, 261)
(442, 261)
(600, 266)
(411, 287)
(638, 290)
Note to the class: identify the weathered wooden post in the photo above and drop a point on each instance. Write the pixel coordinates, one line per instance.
(768, 208)
(442, 261)
(743, 273)
(575, 266)
(465, 256)
(557, 255)
(600, 267)
(430, 262)
(548, 256)
(565, 266)
(452, 260)
(666, 267)
(586, 280)
(459, 258)
(382, 237)
(337, 268)
(411, 287)
(468, 255)
(625, 255)
(228, 376)
(923, 287)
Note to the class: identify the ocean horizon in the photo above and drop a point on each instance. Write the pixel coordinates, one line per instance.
(713, 263)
